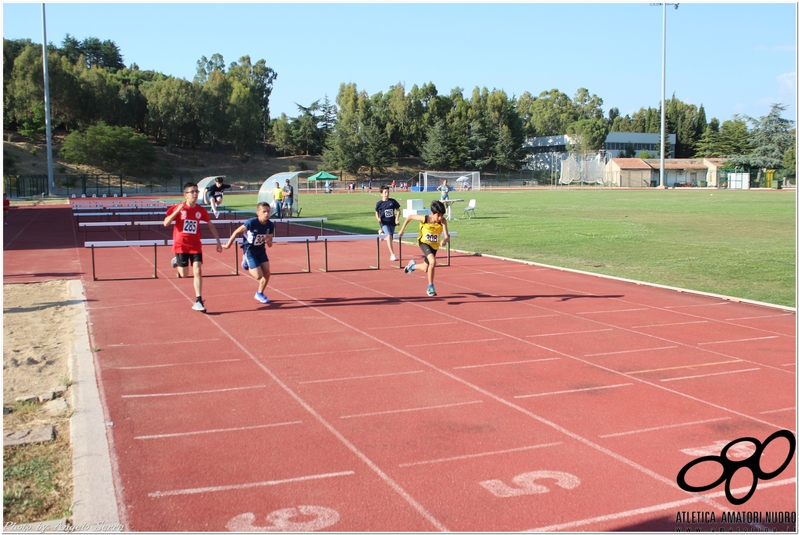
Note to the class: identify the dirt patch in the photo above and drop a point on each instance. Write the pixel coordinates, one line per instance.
(38, 330)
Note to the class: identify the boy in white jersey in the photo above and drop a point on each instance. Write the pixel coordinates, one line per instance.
(431, 229)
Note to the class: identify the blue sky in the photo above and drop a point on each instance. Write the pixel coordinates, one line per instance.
(734, 58)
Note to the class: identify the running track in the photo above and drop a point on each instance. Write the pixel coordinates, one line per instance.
(521, 398)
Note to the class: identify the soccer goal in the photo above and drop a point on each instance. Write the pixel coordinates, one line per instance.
(457, 180)
(589, 170)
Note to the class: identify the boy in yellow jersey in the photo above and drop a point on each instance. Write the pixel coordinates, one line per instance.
(431, 229)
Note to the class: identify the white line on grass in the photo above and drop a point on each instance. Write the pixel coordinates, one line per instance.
(484, 454)
(660, 428)
(571, 391)
(708, 375)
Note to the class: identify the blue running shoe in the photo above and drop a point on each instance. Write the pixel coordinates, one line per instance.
(411, 265)
(261, 298)
(244, 265)
(431, 291)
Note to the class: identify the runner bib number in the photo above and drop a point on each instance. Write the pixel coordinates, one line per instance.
(189, 226)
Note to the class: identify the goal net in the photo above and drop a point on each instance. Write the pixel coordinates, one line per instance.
(457, 180)
(589, 170)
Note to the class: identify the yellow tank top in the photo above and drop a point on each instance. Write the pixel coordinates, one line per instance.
(430, 233)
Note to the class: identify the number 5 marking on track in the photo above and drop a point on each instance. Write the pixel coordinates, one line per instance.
(280, 520)
(526, 483)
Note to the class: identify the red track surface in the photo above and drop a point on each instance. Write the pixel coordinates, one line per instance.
(520, 398)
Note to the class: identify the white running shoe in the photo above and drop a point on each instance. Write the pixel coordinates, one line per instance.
(198, 305)
(410, 266)
(393, 257)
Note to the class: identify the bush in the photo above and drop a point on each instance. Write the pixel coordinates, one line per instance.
(302, 165)
(9, 162)
(113, 148)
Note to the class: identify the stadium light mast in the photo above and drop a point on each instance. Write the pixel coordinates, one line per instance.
(50, 180)
(663, 101)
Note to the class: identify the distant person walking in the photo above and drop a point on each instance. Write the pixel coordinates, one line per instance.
(387, 214)
(431, 229)
(187, 238)
(258, 234)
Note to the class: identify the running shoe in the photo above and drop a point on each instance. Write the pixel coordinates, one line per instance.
(410, 266)
(198, 305)
(174, 262)
(393, 257)
(216, 214)
(431, 291)
(244, 265)
(261, 298)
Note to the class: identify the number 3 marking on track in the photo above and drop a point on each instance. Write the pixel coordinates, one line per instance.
(526, 483)
(280, 520)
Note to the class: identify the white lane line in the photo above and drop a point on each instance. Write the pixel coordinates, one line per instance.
(208, 431)
(193, 341)
(568, 332)
(779, 410)
(702, 305)
(519, 318)
(174, 364)
(358, 377)
(571, 391)
(708, 375)
(191, 392)
(789, 364)
(629, 351)
(663, 427)
(758, 317)
(383, 327)
(668, 324)
(455, 342)
(411, 410)
(503, 363)
(612, 311)
(739, 340)
(201, 490)
(324, 353)
(484, 454)
(661, 507)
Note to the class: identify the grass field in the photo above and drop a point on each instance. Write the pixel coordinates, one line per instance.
(737, 243)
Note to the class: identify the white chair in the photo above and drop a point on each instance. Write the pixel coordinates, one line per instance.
(469, 209)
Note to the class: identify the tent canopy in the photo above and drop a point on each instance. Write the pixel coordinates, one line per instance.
(322, 175)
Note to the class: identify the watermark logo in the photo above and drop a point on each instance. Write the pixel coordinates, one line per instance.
(730, 467)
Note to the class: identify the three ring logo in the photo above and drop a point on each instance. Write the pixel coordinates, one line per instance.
(730, 467)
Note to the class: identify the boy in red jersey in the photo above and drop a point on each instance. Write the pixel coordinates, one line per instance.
(186, 238)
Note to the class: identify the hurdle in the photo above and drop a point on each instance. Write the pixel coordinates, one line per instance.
(416, 236)
(103, 224)
(378, 238)
(296, 239)
(126, 243)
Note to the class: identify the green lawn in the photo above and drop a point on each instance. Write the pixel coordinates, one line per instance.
(738, 243)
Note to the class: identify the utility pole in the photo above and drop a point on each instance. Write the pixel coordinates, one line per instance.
(50, 180)
(663, 101)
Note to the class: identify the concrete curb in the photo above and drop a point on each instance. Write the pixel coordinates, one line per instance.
(94, 498)
(641, 283)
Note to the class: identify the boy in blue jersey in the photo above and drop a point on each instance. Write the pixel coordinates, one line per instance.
(258, 234)
(387, 214)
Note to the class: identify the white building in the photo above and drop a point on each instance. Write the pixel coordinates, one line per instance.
(545, 152)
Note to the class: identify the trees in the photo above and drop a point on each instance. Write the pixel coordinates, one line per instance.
(116, 147)
(587, 135)
(770, 139)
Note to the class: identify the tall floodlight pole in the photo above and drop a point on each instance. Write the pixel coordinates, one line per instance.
(50, 180)
(663, 101)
